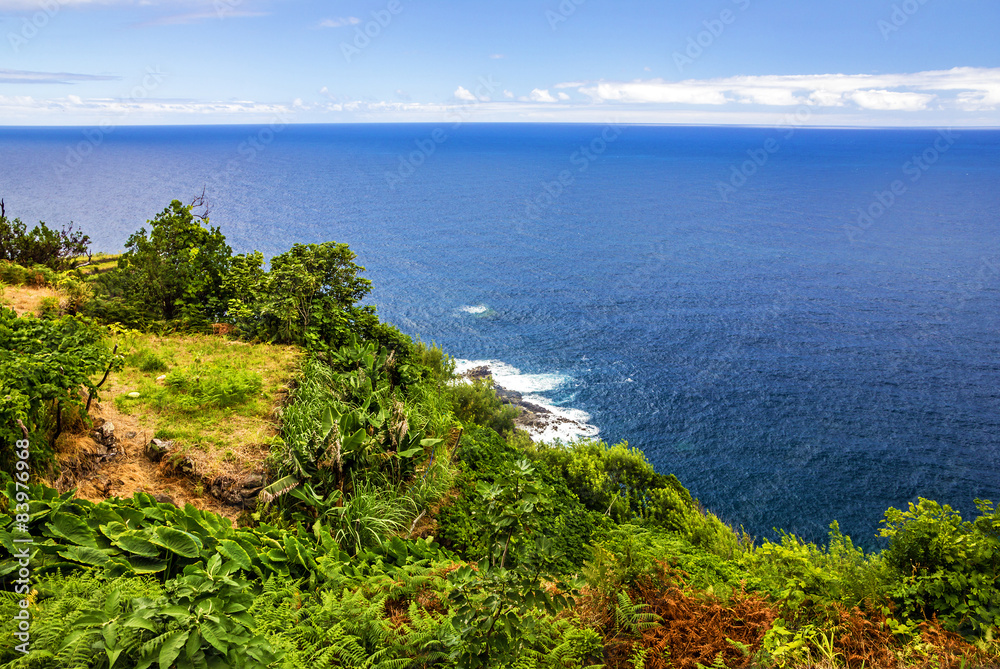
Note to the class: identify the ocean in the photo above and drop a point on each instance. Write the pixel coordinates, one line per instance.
(802, 324)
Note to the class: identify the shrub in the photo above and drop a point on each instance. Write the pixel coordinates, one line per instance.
(940, 565)
(12, 274)
(55, 249)
(477, 402)
(175, 271)
(43, 365)
(486, 459)
(146, 361)
(196, 388)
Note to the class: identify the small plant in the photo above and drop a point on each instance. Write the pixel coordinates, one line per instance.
(198, 388)
(49, 307)
(146, 361)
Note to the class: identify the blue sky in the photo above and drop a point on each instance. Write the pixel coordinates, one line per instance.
(852, 62)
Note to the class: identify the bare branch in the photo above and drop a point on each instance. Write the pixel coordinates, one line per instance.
(90, 396)
(201, 201)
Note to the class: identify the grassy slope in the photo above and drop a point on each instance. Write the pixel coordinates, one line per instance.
(226, 439)
(233, 441)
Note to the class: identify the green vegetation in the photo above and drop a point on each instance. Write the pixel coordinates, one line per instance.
(174, 271)
(56, 250)
(44, 364)
(404, 521)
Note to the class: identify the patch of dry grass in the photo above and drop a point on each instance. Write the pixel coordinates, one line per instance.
(26, 299)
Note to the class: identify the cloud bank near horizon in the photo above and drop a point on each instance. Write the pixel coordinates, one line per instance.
(962, 96)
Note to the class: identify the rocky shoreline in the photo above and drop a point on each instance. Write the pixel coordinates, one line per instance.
(538, 421)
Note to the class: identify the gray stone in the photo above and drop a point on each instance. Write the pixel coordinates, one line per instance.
(157, 449)
(253, 481)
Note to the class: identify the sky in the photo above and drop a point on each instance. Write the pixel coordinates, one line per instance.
(755, 62)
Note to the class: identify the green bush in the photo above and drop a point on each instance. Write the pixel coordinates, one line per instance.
(806, 576)
(146, 361)
(940, 565)
(216, 386)
(622, 554)
(485, 458)
(55, 249)
(43, 365)
(476, 402)
(12, 274)
(175, 271)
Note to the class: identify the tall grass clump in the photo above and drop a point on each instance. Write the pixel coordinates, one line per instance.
(216, 387)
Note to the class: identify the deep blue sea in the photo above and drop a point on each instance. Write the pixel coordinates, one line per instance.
(710, 294)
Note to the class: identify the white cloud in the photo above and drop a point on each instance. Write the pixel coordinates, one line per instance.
(891, 100)
(497, 56)
(224, 7)
(199, 17)
(959, 97)
(541, 95)
(655, 90)
(961, 88)
(28, 77)
(462, 93)
(77, 110)
(340, 22)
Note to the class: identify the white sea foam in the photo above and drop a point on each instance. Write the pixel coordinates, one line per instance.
(475, 309)
(511, 378)
(578, 427)
(565, 423)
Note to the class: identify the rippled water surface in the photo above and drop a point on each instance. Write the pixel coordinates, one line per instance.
(792, 362)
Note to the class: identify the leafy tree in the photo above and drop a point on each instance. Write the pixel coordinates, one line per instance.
(41, 245)
(175, 271)
(244, 286)
(310, 292)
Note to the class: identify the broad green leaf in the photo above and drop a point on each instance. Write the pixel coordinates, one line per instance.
(144, 565)
(72, 529)
(235, 552)
(182, 543)
(171, 648)
(215, 635)
(85, 555)
(138, 544)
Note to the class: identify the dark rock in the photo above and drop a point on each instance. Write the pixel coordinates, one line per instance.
(482, 372)
(156, 450)
(253, 481)
(164, 499)
(104, 435)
